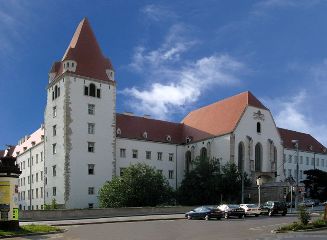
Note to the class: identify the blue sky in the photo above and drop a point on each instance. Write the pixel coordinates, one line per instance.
(171, 57)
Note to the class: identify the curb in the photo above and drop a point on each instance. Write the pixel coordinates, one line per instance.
(117, 221)
(33, 234)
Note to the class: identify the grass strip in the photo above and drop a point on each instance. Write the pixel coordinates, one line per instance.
(30, 229)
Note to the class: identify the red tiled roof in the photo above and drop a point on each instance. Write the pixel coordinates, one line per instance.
(133, 127)
(305, 141)
(85, 50)
(220, 117)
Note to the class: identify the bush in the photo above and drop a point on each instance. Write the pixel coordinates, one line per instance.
(304, 215)
(319, 223)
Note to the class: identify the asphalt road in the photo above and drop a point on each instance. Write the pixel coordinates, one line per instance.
(249, 228)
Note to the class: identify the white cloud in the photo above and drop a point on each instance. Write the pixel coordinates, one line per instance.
(262, 6)
(291, 113)
(158, 13)
(184, 85)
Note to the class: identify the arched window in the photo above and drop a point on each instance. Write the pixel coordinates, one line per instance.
(258, 157)
(188, 159)
(92, 90)
(258, 127)
(241, 157)
(203, 153)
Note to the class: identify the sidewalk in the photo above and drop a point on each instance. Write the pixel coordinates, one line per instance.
(107, 220)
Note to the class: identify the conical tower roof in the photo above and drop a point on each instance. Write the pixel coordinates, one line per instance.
(85, 50)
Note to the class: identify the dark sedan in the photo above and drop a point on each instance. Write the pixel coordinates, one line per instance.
(204, 212)
(232, 210)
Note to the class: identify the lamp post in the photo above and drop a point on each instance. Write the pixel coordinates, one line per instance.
(296, 144)
(259, 183)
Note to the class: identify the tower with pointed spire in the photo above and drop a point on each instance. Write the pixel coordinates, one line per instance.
(79, 123)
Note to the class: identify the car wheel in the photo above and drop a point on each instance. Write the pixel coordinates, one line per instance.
(189, 217)
(270, 213)
(226, 215)
(284, 214)
(256, 215)
(218, 218)
(207, 218)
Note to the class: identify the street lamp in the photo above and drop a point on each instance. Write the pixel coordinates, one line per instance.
(296, 144)
(259, 183)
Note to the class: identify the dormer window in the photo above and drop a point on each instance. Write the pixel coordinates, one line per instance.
(258, 127)
(118, 131)
(33, 143)
(168, 138)
(145, 135)
(188, 139)
(70, 65)
(24, 148)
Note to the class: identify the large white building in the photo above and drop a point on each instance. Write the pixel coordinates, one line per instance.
(84, 142)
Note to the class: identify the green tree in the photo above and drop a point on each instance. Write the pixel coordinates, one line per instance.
(201, 185)
(140, 185)
(316, 183)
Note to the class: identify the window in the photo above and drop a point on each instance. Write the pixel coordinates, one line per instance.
(134, 153)
(92, 90)
(54, 130)
(121, 171)
(28, 180)
(32, 178)
(41, 176)
(98, 93)
(301, 159)
(54, 170)
(37, 193)
(91, 169)
(284, 158)
(28, 194)
(171, 174)
(159, 156)
(301, 174)
(148, 155)
(317, 162)
(41, 156)
(171, 157)
(258, 127)
(41, 192)
(91, 109)
(90, 146)
(91, 190)
(37, 177)
(307, 160)
(312, 161)
(86, 90)
(91, 205)
(90, 128)
(54, 191)
(54, 149)
(28, 162)
(290, 158)
(122, 152)
(54, 111)
(295, 159)
(322, 162)
(289, 172)
(37, 158)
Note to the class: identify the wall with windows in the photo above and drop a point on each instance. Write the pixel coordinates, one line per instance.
(161, 156)
(30, 159)
(261, 141)
(55, 133)
(307, 161)
(90, 140)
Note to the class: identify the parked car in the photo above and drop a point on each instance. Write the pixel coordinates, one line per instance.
(204, 212)
(232, 210)
(289, 204)
(307, 203)
(251, 209)
(274, 207)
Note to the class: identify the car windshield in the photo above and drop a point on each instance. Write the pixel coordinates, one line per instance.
(233, 206)
(251, 205)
